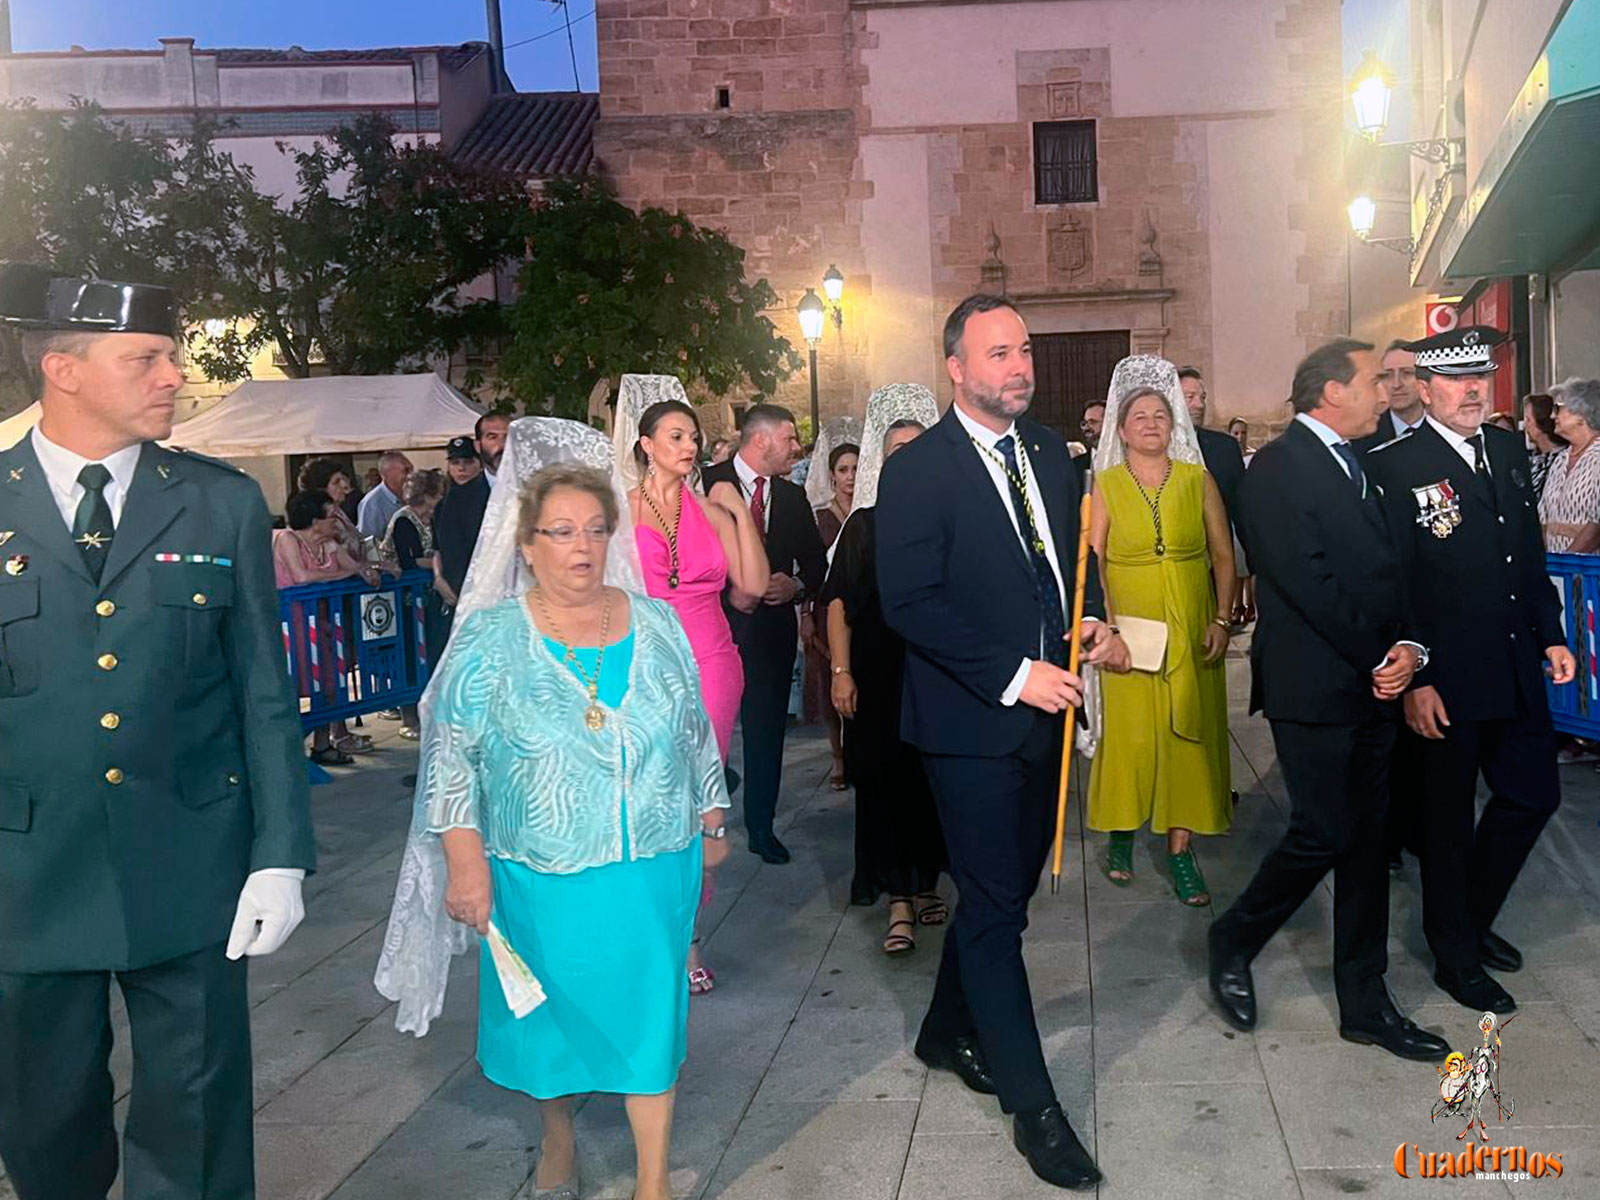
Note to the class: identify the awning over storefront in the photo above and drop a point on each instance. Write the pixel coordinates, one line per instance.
(1535, 205)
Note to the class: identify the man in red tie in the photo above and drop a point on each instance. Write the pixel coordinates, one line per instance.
(767, 638)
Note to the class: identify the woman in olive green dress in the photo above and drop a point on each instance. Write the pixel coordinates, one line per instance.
(1162, 536)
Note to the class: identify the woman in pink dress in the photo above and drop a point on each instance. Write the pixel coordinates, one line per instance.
(691, 549)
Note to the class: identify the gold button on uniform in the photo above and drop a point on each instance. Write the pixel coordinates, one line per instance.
(114, 776)
(105, 609)
(107, 662)
(199, 598)
(110, 721)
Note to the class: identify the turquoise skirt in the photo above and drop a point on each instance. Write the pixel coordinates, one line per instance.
(610, 946)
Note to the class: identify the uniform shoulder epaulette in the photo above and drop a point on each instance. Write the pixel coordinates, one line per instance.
(206, 458)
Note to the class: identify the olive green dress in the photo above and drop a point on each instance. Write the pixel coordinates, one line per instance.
(1163, 758)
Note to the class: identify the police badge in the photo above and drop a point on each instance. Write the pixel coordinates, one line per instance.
(1438, 509)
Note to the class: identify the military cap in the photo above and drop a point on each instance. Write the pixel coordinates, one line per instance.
(1457, 351)
(32, 297)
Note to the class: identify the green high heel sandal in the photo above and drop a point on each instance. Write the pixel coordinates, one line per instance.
(1187, 880)
(1119, 857)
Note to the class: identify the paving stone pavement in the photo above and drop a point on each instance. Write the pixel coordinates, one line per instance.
(800, 1082)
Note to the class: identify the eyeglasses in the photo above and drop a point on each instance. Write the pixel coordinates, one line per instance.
(565, 535)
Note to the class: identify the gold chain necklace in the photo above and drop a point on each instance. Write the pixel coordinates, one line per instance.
(1019, 480)
(594, 716)
(671, 532)
(1154, 502)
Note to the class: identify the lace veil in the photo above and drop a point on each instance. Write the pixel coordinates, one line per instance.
(890, 403)
(835, 431)
(635, 394)
(414, 965)
(1132, 373)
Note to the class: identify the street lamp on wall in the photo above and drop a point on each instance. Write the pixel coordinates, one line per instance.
(1363, 213)
(1371, 90)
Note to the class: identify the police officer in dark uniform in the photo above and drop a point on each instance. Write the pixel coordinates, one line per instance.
(154, 822)
(1463, 516)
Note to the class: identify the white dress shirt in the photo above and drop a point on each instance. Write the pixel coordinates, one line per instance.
(992, 461)
(1398, 428)
(747, 484)
(61, 467)
(1460, 444)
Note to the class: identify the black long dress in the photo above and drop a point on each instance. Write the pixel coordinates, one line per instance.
(899, 845)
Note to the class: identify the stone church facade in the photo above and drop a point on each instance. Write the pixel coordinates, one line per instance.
(1160, 176)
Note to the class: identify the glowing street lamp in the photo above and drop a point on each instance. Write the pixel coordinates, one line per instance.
(833, 284)
(813, 315)
(1371, 89)
(1363, 216)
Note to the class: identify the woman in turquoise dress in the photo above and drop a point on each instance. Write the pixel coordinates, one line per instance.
(575, 785)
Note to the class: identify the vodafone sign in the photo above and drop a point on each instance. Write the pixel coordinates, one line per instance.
(1439, 316)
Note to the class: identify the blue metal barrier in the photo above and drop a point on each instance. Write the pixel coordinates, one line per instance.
(1575, 707)
(352, 648)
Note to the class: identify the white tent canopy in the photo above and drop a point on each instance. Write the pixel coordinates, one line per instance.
(331, 415)
(14, 428)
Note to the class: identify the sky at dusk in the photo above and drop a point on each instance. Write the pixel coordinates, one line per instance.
(541, 64)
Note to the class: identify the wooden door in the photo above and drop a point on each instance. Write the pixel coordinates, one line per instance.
(1070, 370)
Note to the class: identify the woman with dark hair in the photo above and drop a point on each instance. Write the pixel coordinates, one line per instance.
(1539, 427)
(309, 551)
(409, 543)
(900, 848)
(690, 550)
(332, 476)
(842, 461)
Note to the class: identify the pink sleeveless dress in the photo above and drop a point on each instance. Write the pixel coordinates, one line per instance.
(702, 575)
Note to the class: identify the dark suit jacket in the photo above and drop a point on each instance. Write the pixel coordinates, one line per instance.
(957, 584)
(1327, 590)
(1225, 464)
(794, 547)
(172, 675)
(1479, 597)
(456, 523)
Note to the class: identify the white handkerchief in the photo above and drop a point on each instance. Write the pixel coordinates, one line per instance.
(522, 991)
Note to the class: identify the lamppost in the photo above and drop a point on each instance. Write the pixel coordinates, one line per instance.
(1371, 89)
(813, 315)
(1363, 212)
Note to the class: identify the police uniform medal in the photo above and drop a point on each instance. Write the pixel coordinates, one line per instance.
(1438, 508)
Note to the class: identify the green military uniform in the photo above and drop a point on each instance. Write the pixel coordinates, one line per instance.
(150, 759)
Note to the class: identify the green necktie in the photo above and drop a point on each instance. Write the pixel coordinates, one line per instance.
(92, 528)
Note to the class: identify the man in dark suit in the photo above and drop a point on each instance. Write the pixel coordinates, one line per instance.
(977, 540)
(1329, 659)
(471, 463)
(1403, 394)
(767, 638)
(154, 821)
(1223, 458)
(1471, 555)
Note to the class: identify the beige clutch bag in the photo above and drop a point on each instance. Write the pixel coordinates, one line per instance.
(1146, 641)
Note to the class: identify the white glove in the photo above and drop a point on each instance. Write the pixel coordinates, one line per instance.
(269, 910)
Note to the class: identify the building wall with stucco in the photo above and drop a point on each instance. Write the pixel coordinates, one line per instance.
(895, 139)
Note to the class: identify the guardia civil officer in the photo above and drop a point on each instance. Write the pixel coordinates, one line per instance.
(153, 809)
(1463, 516)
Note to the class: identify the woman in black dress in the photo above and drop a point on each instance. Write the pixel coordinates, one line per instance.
(899, 846)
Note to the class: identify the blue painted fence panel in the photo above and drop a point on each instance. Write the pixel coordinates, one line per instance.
(1575, 707)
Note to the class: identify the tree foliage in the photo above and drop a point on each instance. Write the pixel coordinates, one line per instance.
(607, 290)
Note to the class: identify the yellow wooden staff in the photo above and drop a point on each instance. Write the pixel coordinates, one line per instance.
(1074, 654)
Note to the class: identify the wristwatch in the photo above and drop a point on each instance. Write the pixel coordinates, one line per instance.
(715, 834)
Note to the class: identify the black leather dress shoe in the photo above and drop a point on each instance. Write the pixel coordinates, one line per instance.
(1231, 985)
(1475, 990)
(964, 1058)
(769, 847)
(1498, 954)
(1397, 1035)
(1053, 1150)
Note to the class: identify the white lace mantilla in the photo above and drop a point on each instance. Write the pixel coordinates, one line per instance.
(890, 403)
(635, 394)
(836, 431)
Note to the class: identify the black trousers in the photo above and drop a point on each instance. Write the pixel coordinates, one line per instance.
(189, 1133)
(1469, 862)
(998, 816)
(1338, 781)
(767, 653)
(1405, 794)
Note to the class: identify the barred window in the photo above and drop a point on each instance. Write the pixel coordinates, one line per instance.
(1064, 168)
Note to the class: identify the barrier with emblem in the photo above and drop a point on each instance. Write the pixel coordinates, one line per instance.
(352, 648)
(1575, 707)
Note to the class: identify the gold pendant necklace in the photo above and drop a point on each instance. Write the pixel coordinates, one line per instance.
(1155, 503)
(594, 716)
(1019, 480)
(670, 531)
